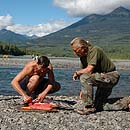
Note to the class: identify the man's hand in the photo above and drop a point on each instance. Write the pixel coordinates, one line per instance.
(41, 97)
(75, 76)
(27, 98)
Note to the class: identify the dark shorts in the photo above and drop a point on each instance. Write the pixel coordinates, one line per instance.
(40, 88)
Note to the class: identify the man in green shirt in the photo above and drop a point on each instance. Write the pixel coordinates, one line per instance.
(96, 70)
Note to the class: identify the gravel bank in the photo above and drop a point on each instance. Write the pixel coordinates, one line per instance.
(12, 119)
(59, 62)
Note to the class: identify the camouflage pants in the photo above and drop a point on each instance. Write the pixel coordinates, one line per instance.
(121, 104)
(104, 83)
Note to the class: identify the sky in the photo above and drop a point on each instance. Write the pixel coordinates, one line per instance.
(42, 17)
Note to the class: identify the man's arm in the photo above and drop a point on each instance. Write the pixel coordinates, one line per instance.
(51, 76)
(42, 95)
(16, 85)
(88, 70)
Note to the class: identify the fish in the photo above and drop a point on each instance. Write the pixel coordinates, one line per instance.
(60, 104)
(39, 106)
(47, 105)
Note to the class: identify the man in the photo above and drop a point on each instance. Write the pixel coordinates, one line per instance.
(96, 70)
(31, 81)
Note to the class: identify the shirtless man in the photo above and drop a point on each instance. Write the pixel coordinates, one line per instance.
(31, 82)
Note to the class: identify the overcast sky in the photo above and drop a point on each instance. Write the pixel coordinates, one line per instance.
(41, 17)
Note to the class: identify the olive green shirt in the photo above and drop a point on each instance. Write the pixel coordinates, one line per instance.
(97, 58)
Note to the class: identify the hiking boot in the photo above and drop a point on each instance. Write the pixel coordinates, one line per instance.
(79, 105)
(83, 109)
(86, 111)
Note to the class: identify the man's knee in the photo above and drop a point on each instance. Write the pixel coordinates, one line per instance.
(34, 80)
(85, 78)
(114, 77)
(33, 83)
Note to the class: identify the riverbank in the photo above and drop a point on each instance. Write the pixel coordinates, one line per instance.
(13, 119)
(58, 62)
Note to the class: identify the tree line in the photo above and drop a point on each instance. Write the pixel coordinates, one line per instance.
(11, 49)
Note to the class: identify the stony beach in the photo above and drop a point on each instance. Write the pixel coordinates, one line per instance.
(11, 118)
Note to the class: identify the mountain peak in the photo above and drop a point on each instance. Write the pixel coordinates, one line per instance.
(120, 11)
(3, 31)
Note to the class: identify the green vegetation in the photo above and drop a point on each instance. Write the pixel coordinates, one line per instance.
(9, 49)
(117, 51)
(59, 50)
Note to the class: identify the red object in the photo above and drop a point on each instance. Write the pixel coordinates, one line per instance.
(41, 106)
(25, 108)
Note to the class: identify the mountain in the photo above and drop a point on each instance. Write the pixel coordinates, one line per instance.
(112, 28)
(33, 37)
(11, 37)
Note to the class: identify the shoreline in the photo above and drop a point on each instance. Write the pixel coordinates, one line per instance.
(59, 62)
(13, 119)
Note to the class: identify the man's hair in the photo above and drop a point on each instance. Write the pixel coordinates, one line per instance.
(80, 42)
(44, 61)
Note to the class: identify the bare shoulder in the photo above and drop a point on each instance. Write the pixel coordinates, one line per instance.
(29, 66)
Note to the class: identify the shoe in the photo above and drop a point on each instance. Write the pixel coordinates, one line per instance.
(86, 111)
(79, 105)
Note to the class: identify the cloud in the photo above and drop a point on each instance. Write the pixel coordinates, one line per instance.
(81, 8)
(5, 21)
(75, 8)
(39, 30)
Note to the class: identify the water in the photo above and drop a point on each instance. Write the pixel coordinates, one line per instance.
(64, 77)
